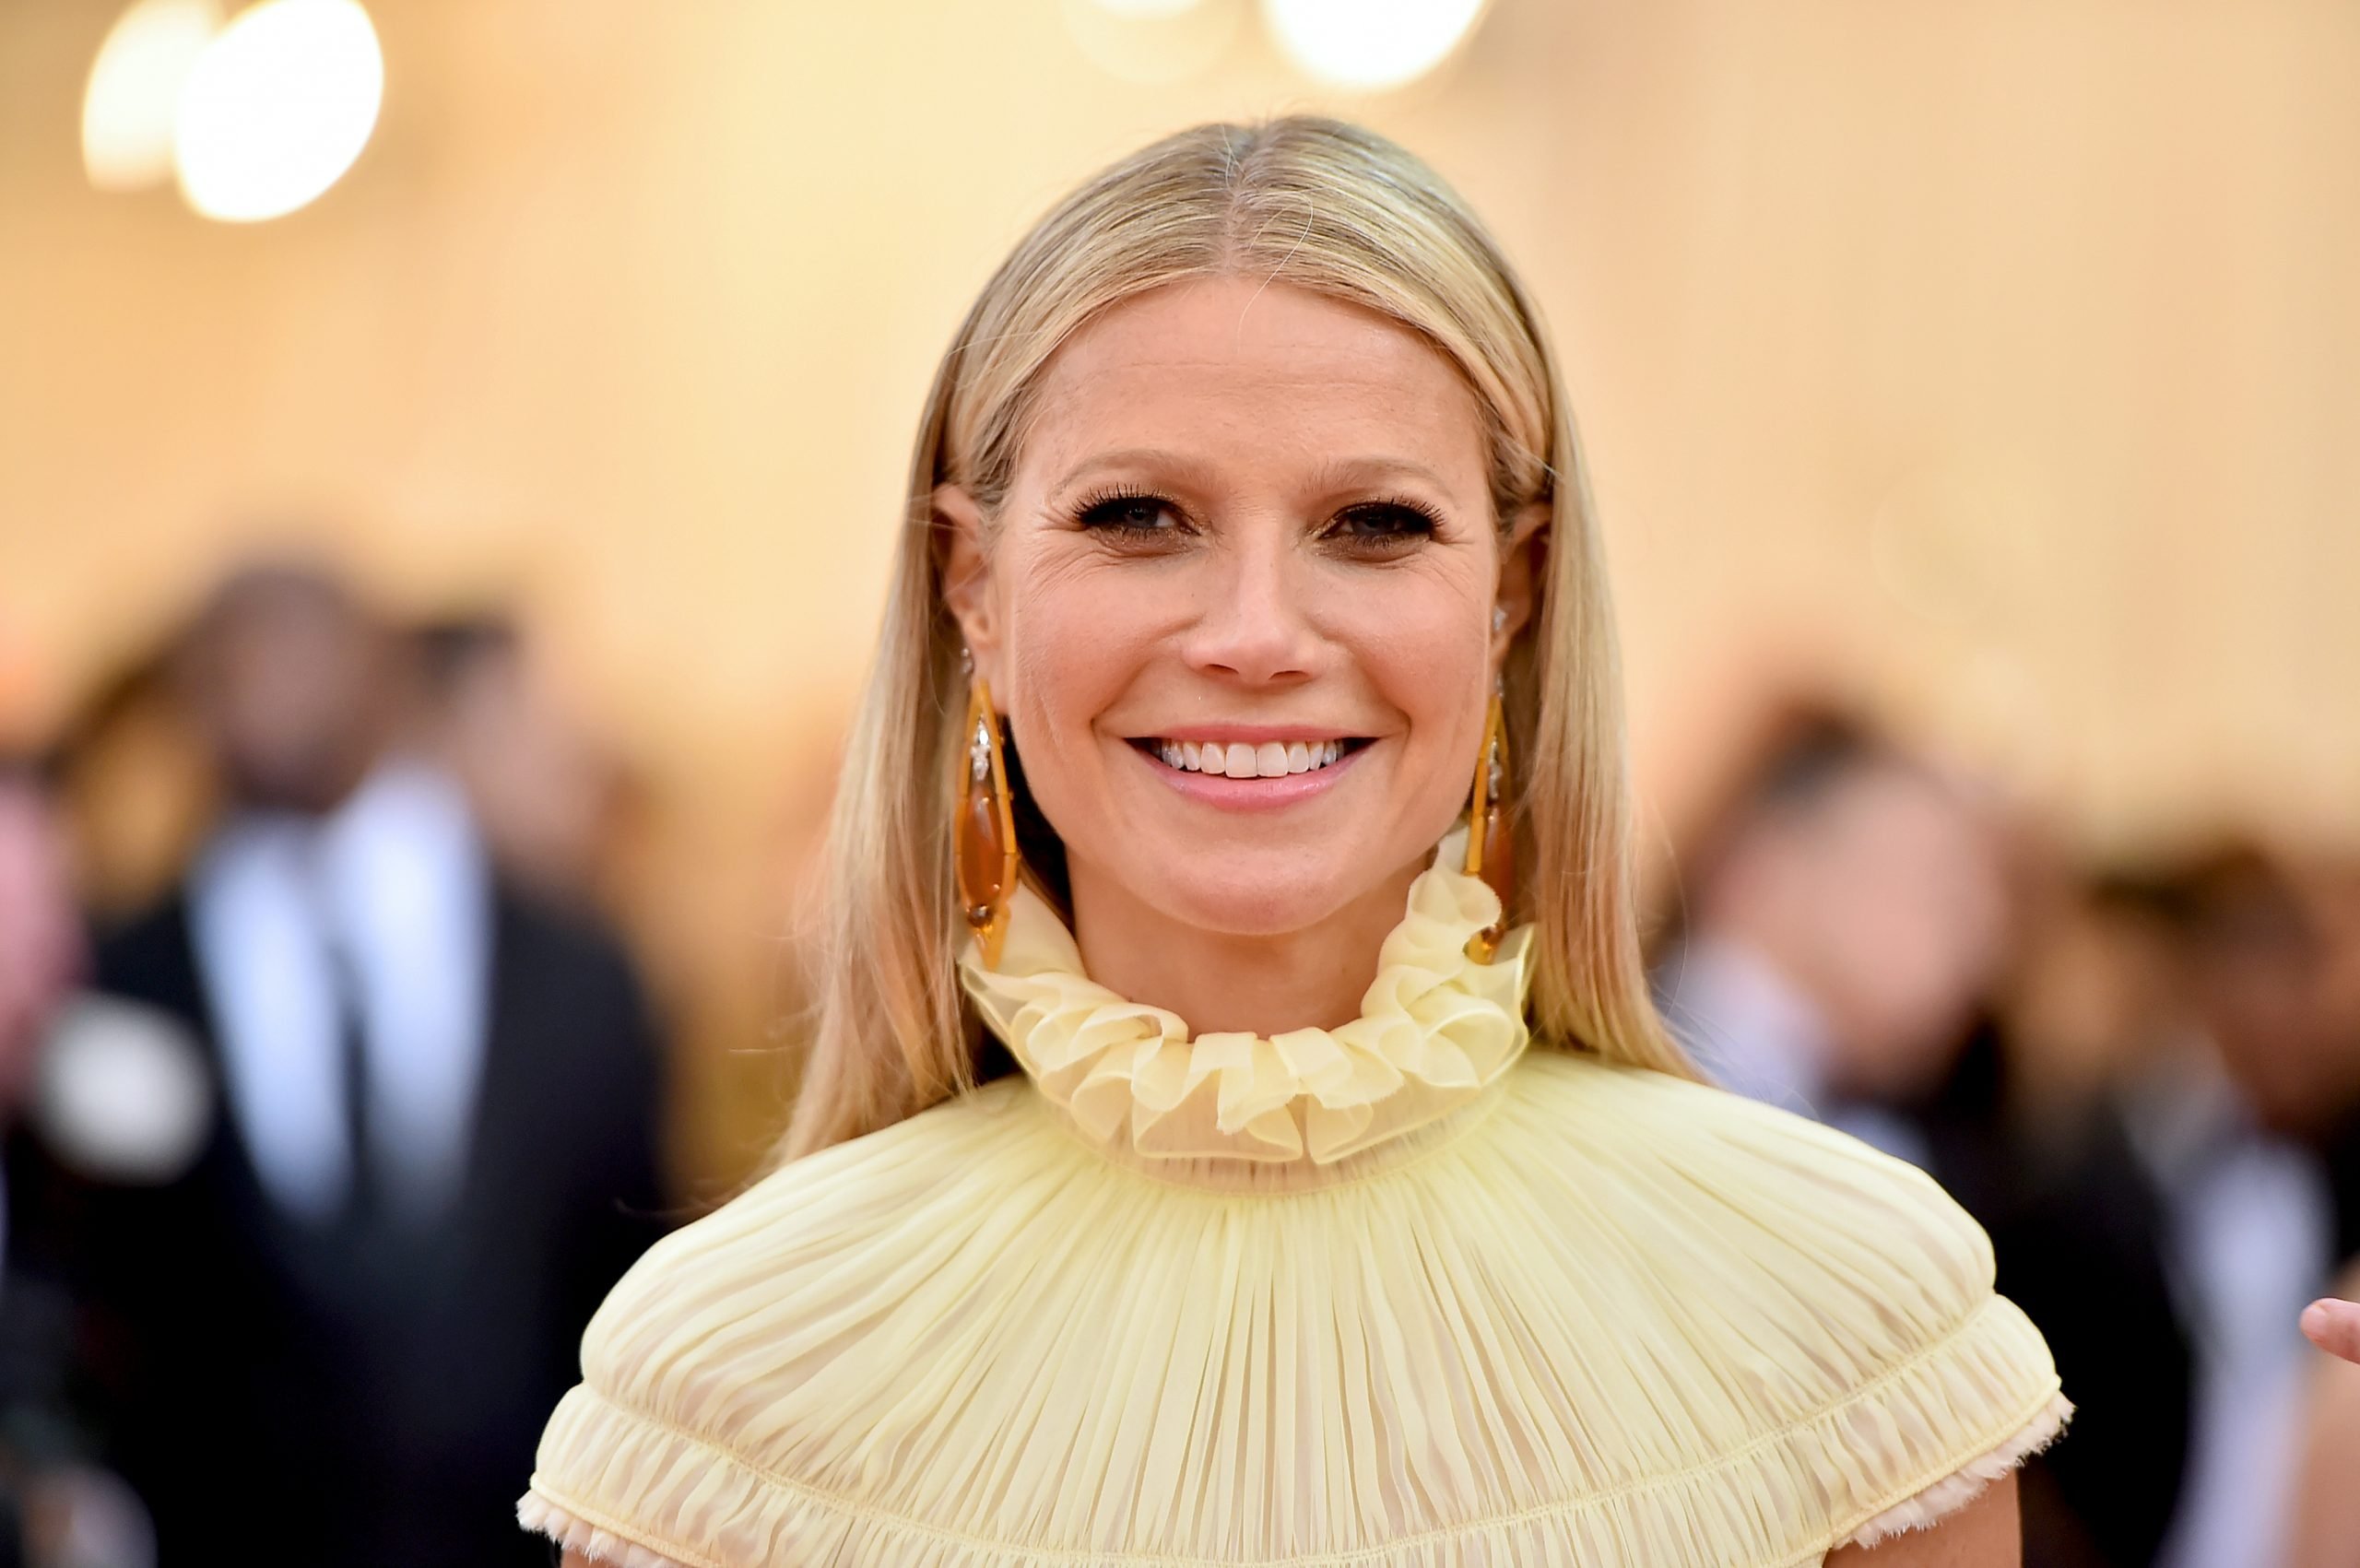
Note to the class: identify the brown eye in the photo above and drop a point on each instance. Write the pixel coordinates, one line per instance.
(1129, 514)
(1381, 524)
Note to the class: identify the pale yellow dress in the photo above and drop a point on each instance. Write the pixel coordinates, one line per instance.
(1403, 1294)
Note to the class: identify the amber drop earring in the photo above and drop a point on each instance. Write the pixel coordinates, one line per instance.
(985, 829)
(1490, 854)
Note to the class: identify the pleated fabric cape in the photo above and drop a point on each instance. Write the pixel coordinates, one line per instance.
(1223, 1301)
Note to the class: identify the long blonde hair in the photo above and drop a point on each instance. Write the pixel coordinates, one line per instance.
(1339, 210)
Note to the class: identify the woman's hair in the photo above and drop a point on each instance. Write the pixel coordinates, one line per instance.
(1340, 211)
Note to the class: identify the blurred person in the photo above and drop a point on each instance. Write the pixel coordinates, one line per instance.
(41, 944)
(2265, 939)
(1848, 920)
(40, 960)
(2325, 1527)
(57, 1509)
(434, 1146)
(1843, 923)
(2331, 892)
(133, 783)
(1348, 1201)
(2250, 1219)
(545, 793)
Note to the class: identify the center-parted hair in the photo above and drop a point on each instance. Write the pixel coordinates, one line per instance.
(1335, 209)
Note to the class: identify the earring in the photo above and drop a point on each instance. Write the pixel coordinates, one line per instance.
(1489, 853)
(986, 829)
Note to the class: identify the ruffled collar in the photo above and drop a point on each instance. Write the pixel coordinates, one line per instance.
(1435, 1029)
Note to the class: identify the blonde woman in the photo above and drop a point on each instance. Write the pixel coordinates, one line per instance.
(1242, 755)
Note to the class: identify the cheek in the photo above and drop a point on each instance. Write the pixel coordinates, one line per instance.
(1427, 658)
(1074, 645)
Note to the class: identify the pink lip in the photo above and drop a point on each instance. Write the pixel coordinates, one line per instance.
(1250, 735)
(1250, 794)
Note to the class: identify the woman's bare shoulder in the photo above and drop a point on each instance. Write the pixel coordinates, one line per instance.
(1983, 1533)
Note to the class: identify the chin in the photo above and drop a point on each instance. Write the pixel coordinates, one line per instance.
(1240, 893)
(1260, 909)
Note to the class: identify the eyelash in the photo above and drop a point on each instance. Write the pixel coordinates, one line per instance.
(1425, 521)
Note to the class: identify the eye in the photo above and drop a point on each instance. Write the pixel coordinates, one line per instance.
(1383, 525)
(1133, 512)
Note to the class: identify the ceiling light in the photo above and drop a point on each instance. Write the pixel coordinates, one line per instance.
(1369, 44)
(277, 107)
(134, 91)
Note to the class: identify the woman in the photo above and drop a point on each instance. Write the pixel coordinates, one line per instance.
(1246, 512)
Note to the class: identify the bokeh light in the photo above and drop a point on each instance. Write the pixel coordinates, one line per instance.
(130, 106)
(277, 107)
(1369, 44)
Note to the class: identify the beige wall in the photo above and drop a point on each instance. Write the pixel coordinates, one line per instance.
(2004, 347)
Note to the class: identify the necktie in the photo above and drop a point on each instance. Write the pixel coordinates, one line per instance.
(352, 1048)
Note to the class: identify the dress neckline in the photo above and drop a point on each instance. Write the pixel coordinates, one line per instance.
(1436, 1029)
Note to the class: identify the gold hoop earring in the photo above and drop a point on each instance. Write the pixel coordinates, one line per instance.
(986, 829)
(1489, 853)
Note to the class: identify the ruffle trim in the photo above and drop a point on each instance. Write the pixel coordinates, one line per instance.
(1965, 1484)
(1436, 1027)
(572, 1533)
(1883, 1446)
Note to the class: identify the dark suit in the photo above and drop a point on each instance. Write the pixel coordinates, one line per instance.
(283, 1392)
(2079, 1234)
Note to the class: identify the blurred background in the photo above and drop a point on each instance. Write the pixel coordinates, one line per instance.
(449, 456)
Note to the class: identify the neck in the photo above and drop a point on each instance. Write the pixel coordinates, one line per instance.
(1222, 982)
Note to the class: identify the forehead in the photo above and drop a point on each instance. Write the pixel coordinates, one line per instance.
(1254, 369)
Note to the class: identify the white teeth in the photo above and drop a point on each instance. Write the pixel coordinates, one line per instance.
(1237, 759)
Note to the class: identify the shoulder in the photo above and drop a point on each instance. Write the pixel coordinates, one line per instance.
(817, 1236)
(1837, 1296)
(760, 1308)
(1788, 1224)
(1719, 1162)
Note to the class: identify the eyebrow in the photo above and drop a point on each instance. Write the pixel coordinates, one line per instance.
(1337, 472)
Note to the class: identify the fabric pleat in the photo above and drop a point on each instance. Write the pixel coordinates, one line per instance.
(1595, 1315)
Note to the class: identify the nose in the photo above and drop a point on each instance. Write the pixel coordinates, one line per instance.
(1254, 625)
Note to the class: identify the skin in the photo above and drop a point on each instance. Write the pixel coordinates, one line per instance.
(1279, 586)
(294, 688)
(1269, 409)
(2327, 1507)
(1982, 1533)
(1887, 902)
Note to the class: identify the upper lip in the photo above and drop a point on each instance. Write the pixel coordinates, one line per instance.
(1251, 735)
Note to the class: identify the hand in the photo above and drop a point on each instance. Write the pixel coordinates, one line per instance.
(2334, 1327)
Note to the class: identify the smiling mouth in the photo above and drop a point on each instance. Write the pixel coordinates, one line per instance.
(1247, 759)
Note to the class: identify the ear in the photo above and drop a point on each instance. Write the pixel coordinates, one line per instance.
(966, 569)
(1524, 558)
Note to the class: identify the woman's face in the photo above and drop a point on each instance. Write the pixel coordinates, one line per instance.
(1238, 602)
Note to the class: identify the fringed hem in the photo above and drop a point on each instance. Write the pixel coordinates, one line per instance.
(572, 1533)
(1966, 1483)
(1890, 1450)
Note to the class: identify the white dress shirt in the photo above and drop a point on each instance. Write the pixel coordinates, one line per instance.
(397, 875)
(2251, 1242)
